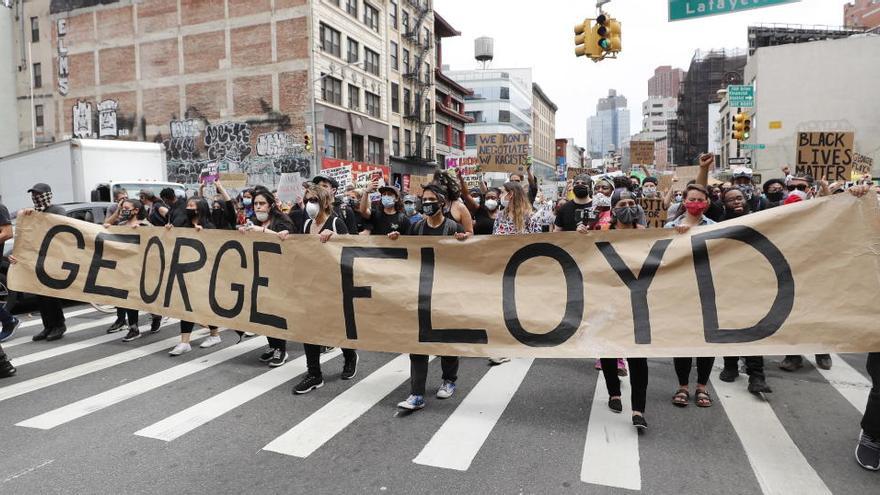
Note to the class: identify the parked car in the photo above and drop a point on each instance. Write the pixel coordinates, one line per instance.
(88, 212)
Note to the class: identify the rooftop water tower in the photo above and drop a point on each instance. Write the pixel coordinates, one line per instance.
(484, 50)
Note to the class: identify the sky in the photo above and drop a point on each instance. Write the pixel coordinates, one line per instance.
(540, 35)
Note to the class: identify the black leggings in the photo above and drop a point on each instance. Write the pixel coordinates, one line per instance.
(638, 379)
(683, 369)
(313, 358)
(277, 344)
(187, 326)
(754, 365)
(871, 419)
(131, 314)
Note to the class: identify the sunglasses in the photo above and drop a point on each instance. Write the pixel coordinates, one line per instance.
(799, 187)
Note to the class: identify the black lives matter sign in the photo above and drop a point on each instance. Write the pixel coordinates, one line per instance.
(825, 155)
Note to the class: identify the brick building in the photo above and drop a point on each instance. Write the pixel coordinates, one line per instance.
(862, 14)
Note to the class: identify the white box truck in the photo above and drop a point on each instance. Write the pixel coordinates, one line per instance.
(83, 170)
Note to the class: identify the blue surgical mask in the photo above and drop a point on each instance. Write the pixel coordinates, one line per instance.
(246, 201)
(410, 208)
(388, 201)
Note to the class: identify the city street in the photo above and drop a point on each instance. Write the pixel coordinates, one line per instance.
(90, 414)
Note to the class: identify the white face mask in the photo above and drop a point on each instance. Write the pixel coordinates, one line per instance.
(505, 202)
(312, 209)
(476, 200)
(262, 215)
(491, 204)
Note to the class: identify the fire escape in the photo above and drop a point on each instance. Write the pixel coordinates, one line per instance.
(420, 113)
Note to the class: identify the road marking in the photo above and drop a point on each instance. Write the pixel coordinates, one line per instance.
(130, 390)
(611, 452)
(316, 430)
(778, 464)
(851, 384)
(28, 470)
(74, 329)
(64, 375)
(38, 321)
(191, 418)
(461, 436)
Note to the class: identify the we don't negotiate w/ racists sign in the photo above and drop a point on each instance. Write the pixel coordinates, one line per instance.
(796, 279)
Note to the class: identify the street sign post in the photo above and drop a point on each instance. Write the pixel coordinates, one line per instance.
(739, 161)
(741, 96)
(749, 146)
(689, 9)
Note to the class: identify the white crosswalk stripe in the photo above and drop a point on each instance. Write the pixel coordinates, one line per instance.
(89, 325)
(113, 396)
(193, 417)
(70, 314)
(458, 441)
(851, 384)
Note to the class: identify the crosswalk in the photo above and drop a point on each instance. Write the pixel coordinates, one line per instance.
(611, 452)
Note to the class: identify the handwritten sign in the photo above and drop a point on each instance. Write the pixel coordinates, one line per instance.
(508, 153)
(825, 155)
(342, 175)
(642, 152)
(862, 165)
(233, 180)
(290, 188)
(655, 214)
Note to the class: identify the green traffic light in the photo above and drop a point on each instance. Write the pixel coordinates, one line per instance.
(604, 43)
(745, 135)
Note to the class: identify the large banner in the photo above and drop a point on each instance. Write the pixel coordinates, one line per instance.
(797, 279)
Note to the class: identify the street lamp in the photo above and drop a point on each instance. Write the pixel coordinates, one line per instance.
(315, 112)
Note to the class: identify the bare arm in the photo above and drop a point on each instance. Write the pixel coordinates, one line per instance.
(364, 207)
(464, 217)
(469, 202)
(706, 162)
(222, 191)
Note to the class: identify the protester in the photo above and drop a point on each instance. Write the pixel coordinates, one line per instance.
(247, 206)
(742, 180)
(868, 448)
(691, 214)
(198, 217)
(177, 215)
(223, 214)
(10, 323)
(774, 192)
(119, 195)
(157, 210)
(455, 209)
(600, 217)
(649, 188)
(532, 189)
(577, 211)
(487, 211)
(323, 222)
(385, 217)
(434, 201)
(344, 212)
(411, 208)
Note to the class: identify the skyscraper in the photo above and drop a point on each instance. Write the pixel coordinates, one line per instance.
(609, 128)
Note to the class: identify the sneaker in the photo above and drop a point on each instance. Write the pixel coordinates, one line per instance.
(6, 369)
(350, 368)
(639, 422)
(249, 334)
(117, 326)
(728, 375)
(278, 358)
(309, 383)
(325, 349)
(621, 367)
(495, 361)
(868, 452)
(791, 363)
(9, 329)
(180, 348)
(758, 385)
(41, 336)
(446, 390)
(155, 324)
(267, 356)
(412, 403)
(615, 405)
(211, 341)
(133, 333)
(55, 334)
(823, 361)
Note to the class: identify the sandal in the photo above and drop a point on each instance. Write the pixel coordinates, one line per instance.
(702, 398)
(681, 397)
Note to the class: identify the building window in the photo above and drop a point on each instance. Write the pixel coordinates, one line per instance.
(427, 37)
(353, 51)
(456, 139)
(357, 148)
(38, 75)
(406, 101)
(441, 133)
(392, 14)
(375, 151)
(505, 93)
(334, 142)
(405, 22)
(503, 115)
(38, 117)
(395, 60)
(407, 142)
(371, 61)
(371, 17)
(395, 141)
(372, 101)
(427, 108)
(395, 97)
(351, 6)
(330, 40)
(427, 73)
(405, 61)
(331, 90)
(471, 140)
(35, 29)
(354, 97)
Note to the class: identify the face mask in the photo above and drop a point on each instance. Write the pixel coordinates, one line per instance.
(746, 190)
(798, 193)
(696, 207)
(775, 196)
(42, 200)
(262, 215)
(628, 215)
(504, 202)
(312, 210)
(125, 214)
(649, 190)
(192, 214)
(477, 200)
(247, 201)
(388, 201)
(601, 201)
(581, 191)
(410, 208)
(678, 198)
(491, 204)
(431, 208)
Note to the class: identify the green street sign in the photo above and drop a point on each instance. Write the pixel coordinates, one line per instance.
(741, 96)
(689, 9)
(749, 146)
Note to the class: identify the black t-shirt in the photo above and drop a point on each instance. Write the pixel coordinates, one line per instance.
(279, 223)
(382, 223)
(4, 220)
(483, 223)
(177, 213)
(346, 214)
(55, 210)
(450, 227)
(571, 215)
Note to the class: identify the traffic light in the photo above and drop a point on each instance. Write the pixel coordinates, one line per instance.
(608, 34)
(585, 40)
(742, 126)
(307, 142)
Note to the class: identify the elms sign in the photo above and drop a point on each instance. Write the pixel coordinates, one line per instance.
(688, 9)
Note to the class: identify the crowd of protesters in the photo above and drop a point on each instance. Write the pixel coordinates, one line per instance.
(447, 207)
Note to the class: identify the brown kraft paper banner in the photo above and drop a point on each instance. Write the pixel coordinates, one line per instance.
(796, 279)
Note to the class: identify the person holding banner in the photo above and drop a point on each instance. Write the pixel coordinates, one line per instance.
(434, 200)
(692, 214)
(198, 217)
(10, 323)
(323, 222)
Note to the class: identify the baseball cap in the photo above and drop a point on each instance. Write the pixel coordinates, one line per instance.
(321, 178)
(40, 188)
(393, 189)
(409, 198)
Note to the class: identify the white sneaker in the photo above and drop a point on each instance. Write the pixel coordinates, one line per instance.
(493, 361)
(249, 334)
(180, 348)
(211, 341)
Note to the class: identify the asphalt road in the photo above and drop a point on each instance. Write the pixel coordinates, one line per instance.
(90, 414)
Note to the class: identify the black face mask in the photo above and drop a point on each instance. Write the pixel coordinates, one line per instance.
(430, 209)
(581, 191)
(217, 216)
(775, 196)
(192, 214)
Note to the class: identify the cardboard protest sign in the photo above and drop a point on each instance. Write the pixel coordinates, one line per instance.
(686, 174)
(666, 181)
(508, 153)
(655, 213)
(232, 180)
(290, 188)
(469, 163)
(861, 165)
(573, 172)
(825, 155)
(343, 175)
(417, 181)
(641, 152)
(744, 286)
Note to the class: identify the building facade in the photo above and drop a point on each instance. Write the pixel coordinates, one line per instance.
(449, 101)
(608, 130)
(500, 102)
(543, 134)
(656, 113)
(862, 14)
(665, 82)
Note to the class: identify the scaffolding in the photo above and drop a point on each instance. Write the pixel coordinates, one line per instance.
(762, 35)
